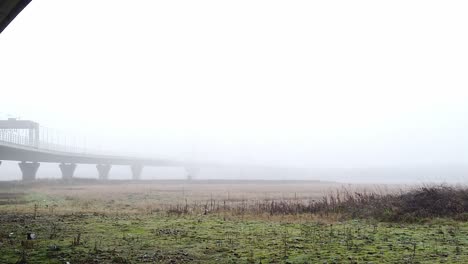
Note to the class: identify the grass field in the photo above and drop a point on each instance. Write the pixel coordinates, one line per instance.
(208, 222)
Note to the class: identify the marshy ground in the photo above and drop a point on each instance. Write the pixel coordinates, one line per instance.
(220, 222)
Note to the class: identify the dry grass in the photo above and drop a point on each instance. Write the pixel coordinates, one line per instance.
(175, 191)
(259, 199)
(238, 198)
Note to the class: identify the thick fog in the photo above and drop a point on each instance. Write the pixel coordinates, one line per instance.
(347, 89)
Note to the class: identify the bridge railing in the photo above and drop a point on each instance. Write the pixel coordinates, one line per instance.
(56, 143)
(17, 138)
(52, 140)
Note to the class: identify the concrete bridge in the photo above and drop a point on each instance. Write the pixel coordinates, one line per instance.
(20, 140)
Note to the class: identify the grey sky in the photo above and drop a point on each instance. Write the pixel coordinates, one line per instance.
(294, 83)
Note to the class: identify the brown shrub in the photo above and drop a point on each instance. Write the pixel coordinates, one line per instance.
(413, 205)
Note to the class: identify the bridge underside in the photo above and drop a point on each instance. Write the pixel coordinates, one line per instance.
(29, 159)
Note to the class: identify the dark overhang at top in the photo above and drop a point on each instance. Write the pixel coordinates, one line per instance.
(9, 9)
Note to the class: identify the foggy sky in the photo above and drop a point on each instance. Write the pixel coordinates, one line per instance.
(329, 84)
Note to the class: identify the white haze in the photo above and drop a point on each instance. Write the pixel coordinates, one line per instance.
(298, 84)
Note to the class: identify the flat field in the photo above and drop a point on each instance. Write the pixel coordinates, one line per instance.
(208, 222)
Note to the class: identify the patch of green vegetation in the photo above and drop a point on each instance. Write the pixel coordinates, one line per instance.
(79, 238)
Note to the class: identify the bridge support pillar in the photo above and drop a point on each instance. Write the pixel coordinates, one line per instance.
(103, 170)
(191, 172)
(67, 170)
(29, 170)
(137, 169)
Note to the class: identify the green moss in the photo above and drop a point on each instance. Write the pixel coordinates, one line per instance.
(209, 239)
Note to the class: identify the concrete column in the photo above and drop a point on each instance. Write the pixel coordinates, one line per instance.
(191, 172)
(103, 170)
(29, 170)
(136, 171)
(68, 169)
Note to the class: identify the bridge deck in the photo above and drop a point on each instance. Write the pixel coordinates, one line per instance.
(16, 152)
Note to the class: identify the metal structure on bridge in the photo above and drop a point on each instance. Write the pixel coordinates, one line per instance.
(23, 141)
(19, 132)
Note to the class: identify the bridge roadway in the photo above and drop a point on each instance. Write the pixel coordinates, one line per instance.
(30, 157)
